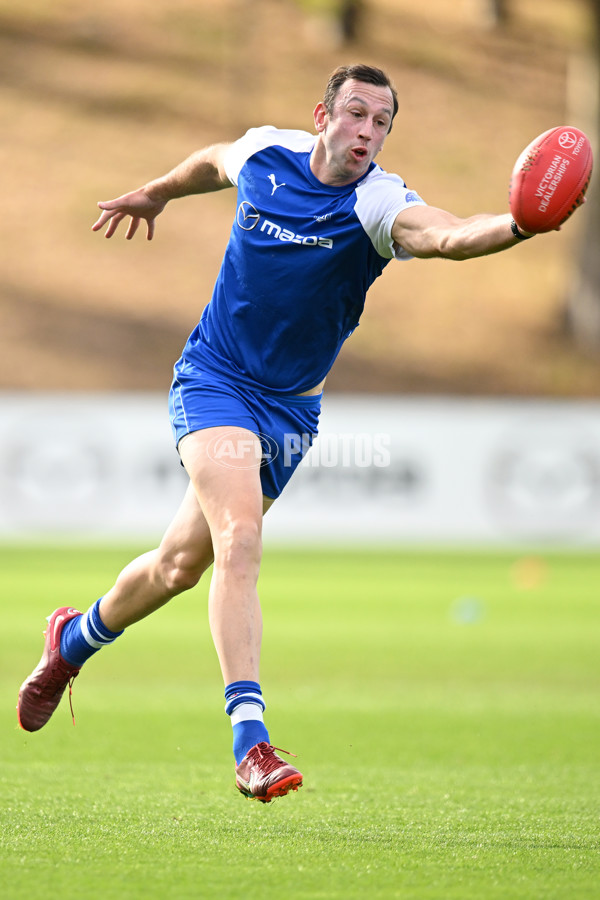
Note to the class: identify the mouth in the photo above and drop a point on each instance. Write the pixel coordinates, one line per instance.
(359, 153)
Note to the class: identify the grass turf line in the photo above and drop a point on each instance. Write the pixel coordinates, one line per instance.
(443, 706)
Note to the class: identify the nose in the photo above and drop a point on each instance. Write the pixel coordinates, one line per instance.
(366, 129)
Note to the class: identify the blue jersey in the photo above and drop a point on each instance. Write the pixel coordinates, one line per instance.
(300, 258)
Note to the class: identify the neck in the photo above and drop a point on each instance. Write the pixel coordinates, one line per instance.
(322, 169)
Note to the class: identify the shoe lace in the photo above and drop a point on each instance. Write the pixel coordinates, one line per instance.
(71, 680)
(265, 755)
(57, 680)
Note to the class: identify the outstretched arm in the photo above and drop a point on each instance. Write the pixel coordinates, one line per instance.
(425, 231)
(200, 173)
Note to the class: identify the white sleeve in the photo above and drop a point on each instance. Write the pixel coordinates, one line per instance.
(257, 139)
(379, 199)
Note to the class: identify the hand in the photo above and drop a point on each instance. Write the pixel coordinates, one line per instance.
(137, 204)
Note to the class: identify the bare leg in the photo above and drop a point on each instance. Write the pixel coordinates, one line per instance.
(233, 505)
(152, 579)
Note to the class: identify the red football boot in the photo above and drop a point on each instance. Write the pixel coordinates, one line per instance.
(262, 774)
(40, 693)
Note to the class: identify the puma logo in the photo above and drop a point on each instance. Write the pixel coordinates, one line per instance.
(58, 624)
(274, 183)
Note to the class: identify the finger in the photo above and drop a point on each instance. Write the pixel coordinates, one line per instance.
(133, 227)
(117, 202)
(114, 224)
(101, 221)
(150, 232)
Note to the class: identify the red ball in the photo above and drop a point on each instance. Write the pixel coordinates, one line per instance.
(550, 179)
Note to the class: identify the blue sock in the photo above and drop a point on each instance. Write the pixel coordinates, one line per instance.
(84, 635)
(245, 705)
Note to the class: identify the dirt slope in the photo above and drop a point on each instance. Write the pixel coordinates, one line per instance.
(97, 100)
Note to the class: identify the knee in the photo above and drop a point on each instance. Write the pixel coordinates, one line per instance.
(182, 571)
(239, 544)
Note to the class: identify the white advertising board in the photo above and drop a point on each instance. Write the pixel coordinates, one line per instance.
(384, 469)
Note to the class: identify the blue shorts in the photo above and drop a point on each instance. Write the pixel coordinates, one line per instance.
(286, 426)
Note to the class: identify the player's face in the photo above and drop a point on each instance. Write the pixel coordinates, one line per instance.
(351, 138)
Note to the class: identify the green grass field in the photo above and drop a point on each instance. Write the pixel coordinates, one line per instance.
(444, 708)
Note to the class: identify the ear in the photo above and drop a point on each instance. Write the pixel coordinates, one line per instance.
(320, 116)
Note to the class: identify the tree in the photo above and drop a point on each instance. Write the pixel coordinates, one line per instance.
(583, 299)
(493, 13)
(350, 15)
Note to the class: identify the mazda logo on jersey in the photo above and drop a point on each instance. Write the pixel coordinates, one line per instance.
(247, 216)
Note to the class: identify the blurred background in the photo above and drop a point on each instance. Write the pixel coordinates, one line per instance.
(480, 379)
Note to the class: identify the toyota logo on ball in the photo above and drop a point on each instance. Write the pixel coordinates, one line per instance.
(567, 140)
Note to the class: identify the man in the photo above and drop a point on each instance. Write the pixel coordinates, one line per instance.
(316, 222)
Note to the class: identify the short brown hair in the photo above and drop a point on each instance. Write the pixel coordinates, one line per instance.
(368, 74)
